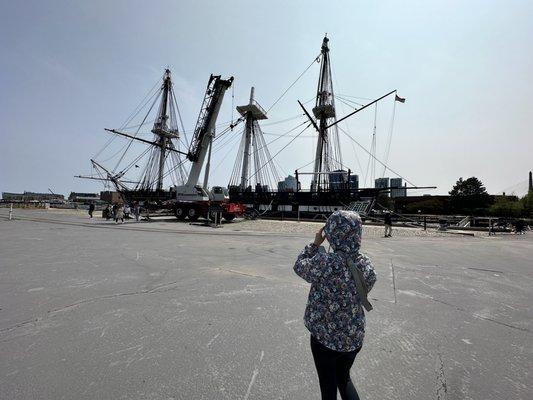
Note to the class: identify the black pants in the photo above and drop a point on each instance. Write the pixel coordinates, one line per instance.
(333, 370)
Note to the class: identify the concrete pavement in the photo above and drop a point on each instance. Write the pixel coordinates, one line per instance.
(91, 310)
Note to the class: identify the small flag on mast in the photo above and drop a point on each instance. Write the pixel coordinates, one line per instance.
(400, 99)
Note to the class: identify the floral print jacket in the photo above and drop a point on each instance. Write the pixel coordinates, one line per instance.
(334, 314)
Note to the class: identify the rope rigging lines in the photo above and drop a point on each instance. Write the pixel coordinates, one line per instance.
(255, 165)
(163, 152)
(283, 148)
(316, 59)
(250, 168)
(131, 140)
(389, 140)
(375, 158)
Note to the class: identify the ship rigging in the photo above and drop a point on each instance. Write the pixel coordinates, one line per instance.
(162, 159)
(255, 180)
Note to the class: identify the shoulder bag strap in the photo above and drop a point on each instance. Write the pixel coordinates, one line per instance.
(359, 284)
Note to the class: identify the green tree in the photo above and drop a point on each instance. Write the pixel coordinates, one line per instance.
(469, 196)
(527, 205)
(428, 206)
(506, 206)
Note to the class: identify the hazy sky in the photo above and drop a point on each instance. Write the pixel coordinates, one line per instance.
(68, 69)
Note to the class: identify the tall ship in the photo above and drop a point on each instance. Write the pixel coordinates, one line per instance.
(171, 172)
(255, 181)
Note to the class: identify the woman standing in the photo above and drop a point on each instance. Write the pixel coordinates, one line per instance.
(334, 315)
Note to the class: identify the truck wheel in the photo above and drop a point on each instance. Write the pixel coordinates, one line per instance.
(228, 217)
(180, 213)
(251, 213)
(193, 214)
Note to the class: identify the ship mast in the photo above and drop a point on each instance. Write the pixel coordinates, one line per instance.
(328, 153)
(161, 129)
(163, 145)
(252, 112)
(254, 169)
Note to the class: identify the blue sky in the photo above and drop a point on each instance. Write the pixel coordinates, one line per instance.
(68, 69)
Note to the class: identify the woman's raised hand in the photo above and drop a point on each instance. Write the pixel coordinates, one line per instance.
(319, 237)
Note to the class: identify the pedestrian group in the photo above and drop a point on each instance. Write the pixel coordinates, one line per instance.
(118, 212)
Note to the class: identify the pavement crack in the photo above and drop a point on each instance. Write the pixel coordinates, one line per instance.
(158, 289)
(441, 388)
(393, 280)
(243, 273)
(501, 323)
(449, 304)
(481, 316)
(19, 325)
(485, 270)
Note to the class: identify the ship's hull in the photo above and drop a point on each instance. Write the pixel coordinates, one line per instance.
(303, 203)
(152, 200)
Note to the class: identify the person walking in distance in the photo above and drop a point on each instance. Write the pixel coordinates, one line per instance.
(388, 224)
(127, 211)
(340, 281)
(91, 210)
(119, 215)
(136, 210)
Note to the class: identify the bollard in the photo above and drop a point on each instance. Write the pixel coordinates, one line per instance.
(10, 211)
(425, 222)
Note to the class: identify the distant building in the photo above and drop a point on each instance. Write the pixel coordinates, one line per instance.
(340, 179)
(83, 197)
(397, 183)
(6, 196)
(381, 183)
(288, 185)
(33, 197)
(111, 197)
(354, 182)
(337, 179)
(261, 188)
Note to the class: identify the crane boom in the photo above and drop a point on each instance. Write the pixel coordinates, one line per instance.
(203, 133)
(192, 199)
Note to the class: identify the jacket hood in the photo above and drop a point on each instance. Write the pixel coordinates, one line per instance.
(343, 230)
